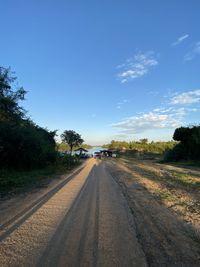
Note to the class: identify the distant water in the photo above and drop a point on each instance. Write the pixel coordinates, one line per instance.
(95, 149)
(90, 151)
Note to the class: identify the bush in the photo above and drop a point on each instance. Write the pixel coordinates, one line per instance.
(69, 161)
(176, 154)
(25, 145)
(188, 147)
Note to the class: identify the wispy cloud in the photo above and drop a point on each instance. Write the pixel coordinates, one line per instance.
(195, 51)
(186, 98)
(169, 116)
(147, 121)
(137, 66)
(163, 110)
(180, 39)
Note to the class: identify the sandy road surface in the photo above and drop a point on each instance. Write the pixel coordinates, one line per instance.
(85, 223)
(96, 218)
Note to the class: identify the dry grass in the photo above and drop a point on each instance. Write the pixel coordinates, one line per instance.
(176, 188)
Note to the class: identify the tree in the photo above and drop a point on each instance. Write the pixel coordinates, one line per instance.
(10, 96)
(182, 134)
(23, 144)
(188, 147)
(144, 141)
(71, 138)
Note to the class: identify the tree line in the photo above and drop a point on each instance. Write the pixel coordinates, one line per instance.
(142, 145)
(184, 146)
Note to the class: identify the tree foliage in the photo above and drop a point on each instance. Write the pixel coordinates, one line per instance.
(23, 144)
(188, 147)
(71, 138)
(65, 147)
(144, 141)
(142, 145)
(10, 96)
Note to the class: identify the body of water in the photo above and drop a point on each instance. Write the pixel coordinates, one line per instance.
(95, 149)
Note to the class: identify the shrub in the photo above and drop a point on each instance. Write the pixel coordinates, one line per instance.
(25, 145)
(188, 147)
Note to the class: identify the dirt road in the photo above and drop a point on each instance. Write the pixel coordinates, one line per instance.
(90, 219)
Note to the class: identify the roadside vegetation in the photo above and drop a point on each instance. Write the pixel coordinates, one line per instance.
(184, 149)
(63, 147)
(28, 152)
(188, 146)
(141, 148)
(14, 181)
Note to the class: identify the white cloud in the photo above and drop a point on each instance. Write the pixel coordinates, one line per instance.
(148, 121)
(193, 53)
(157, 109)
(162, 110)
(137, 66)
(180, 39)
(190, 97)
(169, 116)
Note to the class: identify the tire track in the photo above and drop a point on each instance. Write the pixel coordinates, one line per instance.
(84, 226)
(12, 224)
(26, 244)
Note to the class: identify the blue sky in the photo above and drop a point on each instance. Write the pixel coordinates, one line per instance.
(120, 70)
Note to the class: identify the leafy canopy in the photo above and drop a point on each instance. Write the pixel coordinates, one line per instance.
(188, 147)
(71, 138)
(23, 144)
(10, 96)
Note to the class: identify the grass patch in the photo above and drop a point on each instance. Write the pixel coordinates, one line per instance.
(13, 181)
(165, 195)
(130, 154)
(171, 178)
(186, 164)
(186, 180)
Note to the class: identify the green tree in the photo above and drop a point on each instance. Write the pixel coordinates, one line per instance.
(144, 141)
(71, 138)
(62, 146)
(10, 96)
(23, 144)
(188, 147)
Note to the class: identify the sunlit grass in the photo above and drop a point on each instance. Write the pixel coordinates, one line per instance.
(186, 180)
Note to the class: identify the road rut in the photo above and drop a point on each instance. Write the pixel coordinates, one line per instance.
(86, 223)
